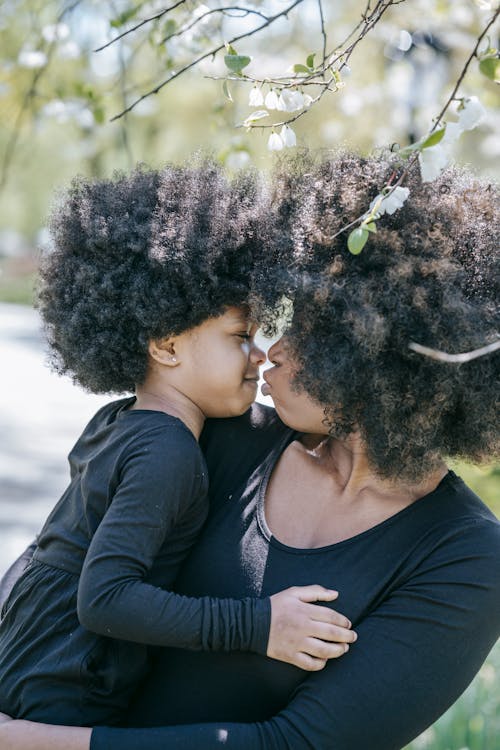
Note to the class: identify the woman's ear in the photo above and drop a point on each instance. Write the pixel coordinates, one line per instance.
(163, 351)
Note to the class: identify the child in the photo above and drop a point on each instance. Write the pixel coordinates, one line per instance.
(145, 291)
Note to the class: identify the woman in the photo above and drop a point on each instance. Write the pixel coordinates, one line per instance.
(346, 484)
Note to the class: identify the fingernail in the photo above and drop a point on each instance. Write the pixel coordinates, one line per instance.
(347, 647)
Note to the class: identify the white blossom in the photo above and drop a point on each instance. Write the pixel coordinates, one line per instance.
(275, 143)
(308, 100)
(451, 134)
(32, 58)
(471, 114)
(432, 162)
(69, 50)
(255, 98)
(404, 41)
(390, 203)
(288, 136)
(55, 32)
(291, 101)
(281, 103)
(271, 100)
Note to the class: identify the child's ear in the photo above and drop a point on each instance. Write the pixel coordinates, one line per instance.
(163, 351)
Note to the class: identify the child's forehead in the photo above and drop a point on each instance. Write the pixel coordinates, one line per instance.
(236, 315)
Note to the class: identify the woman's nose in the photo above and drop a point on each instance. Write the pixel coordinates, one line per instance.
(274, 351)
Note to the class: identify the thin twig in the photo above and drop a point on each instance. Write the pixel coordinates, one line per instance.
(141, 23)
(224, 11)
(369, 22)
(454, 358)
(465, 68)
(414, 157)
(210, 53)
(12, 142)
(323, 31)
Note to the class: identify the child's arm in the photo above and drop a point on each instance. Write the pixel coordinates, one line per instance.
(27, 735)
(157, 482)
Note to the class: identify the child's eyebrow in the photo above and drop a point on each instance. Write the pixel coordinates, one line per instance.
(240, 320)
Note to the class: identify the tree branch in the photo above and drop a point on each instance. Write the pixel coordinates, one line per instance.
(465, 68)
(141, 23)
(414, 157)
(454, 358)
(210, 53)
(28, 97)
(224, 10)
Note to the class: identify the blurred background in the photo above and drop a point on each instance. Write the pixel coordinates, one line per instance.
(57, 98)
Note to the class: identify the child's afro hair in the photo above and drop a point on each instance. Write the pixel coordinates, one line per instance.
(139, 257)
(429, 275)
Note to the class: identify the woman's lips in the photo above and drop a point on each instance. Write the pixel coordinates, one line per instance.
(265, 389)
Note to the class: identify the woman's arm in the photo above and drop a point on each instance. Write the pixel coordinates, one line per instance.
(415, 654)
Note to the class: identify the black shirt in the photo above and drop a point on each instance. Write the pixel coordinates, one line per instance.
(134, 507)
(421, 588)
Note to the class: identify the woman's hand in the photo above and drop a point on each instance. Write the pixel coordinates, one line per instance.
(4, 718)
(305, 634)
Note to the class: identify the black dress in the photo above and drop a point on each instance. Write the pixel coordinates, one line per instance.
(75, 626)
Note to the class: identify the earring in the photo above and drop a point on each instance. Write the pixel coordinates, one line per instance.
(174, 359)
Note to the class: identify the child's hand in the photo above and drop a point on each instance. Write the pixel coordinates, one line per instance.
(4, 718)
(305, 634)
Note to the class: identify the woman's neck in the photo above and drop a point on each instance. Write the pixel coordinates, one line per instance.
(347, 463)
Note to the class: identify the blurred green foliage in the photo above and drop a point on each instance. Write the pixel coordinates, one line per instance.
(473, 722)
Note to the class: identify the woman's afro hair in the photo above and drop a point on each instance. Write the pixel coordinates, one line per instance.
(430, 275)
(139, 257)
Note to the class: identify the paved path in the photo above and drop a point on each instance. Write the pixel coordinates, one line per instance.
(41, 415)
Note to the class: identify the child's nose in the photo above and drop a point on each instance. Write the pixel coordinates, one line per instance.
(257, 355)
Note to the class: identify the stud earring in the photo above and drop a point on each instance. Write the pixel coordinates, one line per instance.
(174, 359)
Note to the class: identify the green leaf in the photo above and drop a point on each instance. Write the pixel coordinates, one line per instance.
(490, 67)
(227, 93)
(357, 240)
(169, 28)
(301, 69)
(122, 19)
(230, 50)
(371, 226)
(99, 114)
(236, 63)
(310, 60)
(434, 138)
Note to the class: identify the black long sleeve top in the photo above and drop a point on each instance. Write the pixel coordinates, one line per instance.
(421, 588)
(134, 507)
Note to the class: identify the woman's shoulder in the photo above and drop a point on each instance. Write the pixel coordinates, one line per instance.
(460, 528)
